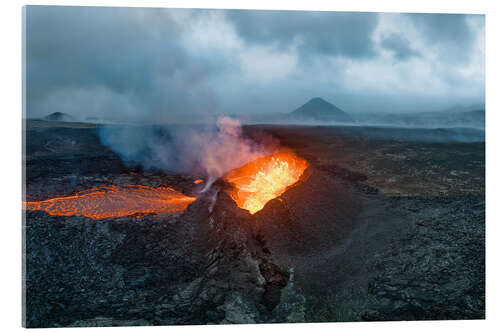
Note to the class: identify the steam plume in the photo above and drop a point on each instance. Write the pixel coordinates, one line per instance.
(210, 151)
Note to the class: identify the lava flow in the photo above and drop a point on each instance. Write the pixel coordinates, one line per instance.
(263, 179)
(114, 201)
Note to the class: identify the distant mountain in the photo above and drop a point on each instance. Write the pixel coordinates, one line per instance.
(58, 116)
(320, 110)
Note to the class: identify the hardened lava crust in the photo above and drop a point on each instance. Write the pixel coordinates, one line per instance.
(376, 228)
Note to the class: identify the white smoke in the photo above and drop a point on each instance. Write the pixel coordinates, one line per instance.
(211, 151)
(226, 149)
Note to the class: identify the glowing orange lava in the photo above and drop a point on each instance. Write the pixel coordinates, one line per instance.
(266, 178)
(115, 201)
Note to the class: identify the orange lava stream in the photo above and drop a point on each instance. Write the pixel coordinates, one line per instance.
(264, 179)
(114, 201)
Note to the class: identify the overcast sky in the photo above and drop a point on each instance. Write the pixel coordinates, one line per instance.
(167, 64)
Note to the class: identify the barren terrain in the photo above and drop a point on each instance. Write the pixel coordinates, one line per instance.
(384, 224)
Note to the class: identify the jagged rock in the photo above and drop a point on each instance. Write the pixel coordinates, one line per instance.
(238, 311)
(415, 250)
(292, 305)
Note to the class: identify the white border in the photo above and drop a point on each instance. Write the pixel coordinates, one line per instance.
(10, 224)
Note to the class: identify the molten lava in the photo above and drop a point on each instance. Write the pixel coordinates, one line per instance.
(114, 201)
(263, 179)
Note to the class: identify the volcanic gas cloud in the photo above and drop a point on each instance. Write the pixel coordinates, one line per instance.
(253, 185)
(114, 201)
(260, 179)
(263, 179)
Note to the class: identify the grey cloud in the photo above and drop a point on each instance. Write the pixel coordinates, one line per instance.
(329, 33)
(447, 33)
(147, 64)
(399, 46)
(136, 52)
(440, 28)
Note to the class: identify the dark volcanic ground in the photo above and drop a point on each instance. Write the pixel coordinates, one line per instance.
(378, 228)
